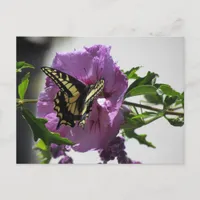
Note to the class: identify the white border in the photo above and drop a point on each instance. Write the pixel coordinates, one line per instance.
(101, 18)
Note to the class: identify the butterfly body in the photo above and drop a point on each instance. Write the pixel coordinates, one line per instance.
(73, 102)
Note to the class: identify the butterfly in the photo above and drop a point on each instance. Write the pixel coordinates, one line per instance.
(74, 100)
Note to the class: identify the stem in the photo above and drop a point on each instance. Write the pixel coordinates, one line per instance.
(30, 100)
(125, 103)
(20, 102)
(177, 108)
(154, 109)
(153, 119)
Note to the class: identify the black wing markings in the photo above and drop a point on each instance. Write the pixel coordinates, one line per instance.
(75, 99)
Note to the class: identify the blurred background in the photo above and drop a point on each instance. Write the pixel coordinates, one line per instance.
(162, 55)
(33, 51)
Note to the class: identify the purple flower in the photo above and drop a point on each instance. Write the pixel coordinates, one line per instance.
(58, 150)
(66, 160)
(88, 65)
(123, 159)
(116, 149)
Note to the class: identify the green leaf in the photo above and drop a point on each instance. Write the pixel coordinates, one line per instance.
(131, 74)
(171, 96)
(154, 98)
(44, 121)
(43, 152)
(144, 115)
(41, 145)
(134, 121)
(175, 121)
(169, 100)
(180, 100)
(131, 122)
(40, 131)
(166, 96)
(23, 65)
(22, 87)
(169, 91)
(130, 133)
(149, 79)
(141, 90)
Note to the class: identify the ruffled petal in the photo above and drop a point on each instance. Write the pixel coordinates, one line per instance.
(45, 101)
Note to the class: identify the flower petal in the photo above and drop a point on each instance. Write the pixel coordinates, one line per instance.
(45, 101)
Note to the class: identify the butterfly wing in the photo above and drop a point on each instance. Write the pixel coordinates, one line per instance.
(93, 92)
(60, 106)
(85, 116)
(65, 82)
(74, 100)
(81, 108)
(67, 112)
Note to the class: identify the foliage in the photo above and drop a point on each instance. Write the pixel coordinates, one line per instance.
(22, 87)
(43, 152)
(42, 136)
(40, 131)
(156, 94)
(23, 65)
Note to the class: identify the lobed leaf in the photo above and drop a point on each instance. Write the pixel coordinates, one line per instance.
(130, 133)
(166, 95)
(40, 131)
(131, 74)
(175, 121)
(141, 90)
(134, 121)
(169, 91)
(149, 79)
(23, 65)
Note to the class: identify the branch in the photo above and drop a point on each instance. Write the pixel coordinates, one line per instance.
(20, 102)
(152, 108)
(125, 103)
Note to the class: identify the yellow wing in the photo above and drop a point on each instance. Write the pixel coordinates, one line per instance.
(65, 82)
(74, 101)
